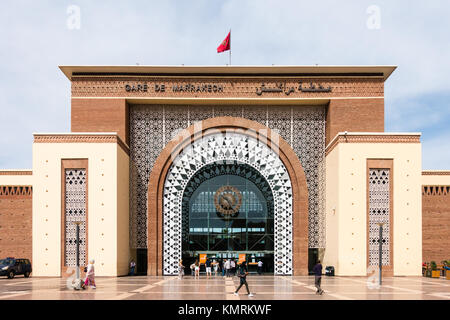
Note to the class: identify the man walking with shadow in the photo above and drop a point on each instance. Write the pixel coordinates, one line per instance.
(318, 277)
(242, 274)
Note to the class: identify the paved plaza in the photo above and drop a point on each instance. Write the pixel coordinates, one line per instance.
(219, 288)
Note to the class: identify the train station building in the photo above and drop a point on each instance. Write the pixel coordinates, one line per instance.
(284, 164)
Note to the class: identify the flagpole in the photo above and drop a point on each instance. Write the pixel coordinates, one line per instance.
(230, 46)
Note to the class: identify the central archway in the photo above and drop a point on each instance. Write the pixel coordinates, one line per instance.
(232, 139)
(228, 209)
(227, 146)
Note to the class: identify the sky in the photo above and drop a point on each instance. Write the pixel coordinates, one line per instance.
(38, 36)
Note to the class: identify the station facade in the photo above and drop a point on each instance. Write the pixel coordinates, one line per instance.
(281, 164)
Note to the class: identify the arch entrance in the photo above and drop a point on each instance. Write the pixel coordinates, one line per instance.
(228, 212)
(179, 180)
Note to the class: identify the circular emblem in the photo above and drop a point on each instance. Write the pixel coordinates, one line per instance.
(228, 200)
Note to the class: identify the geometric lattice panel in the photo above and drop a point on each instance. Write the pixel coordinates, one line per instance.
(153, 126)
(146, 130)
(379, 200)
(230, 146)
(75, 203)
(308, 142)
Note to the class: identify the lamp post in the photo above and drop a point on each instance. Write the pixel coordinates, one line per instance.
(380, 250)
(77, 223)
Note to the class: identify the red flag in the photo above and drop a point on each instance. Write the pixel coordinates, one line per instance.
(226, 44)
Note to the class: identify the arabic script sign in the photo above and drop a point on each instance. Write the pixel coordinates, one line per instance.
(288, 90)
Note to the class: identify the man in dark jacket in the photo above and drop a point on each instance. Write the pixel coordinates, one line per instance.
(318, 276)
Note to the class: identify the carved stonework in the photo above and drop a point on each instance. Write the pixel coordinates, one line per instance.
(80, 138)
(372, 138)
(16, 173)
(16, 192)
(232, 87)
(436, 173)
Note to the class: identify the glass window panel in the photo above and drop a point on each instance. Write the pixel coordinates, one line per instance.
(259, 241)
(198, 223)
(238, 223)
(198, 242)
(256, 223)
(207, 227)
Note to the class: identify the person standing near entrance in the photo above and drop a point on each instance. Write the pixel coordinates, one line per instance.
(216, 267)
(260, 267)
(318, 277)
(227, 267)
(208, 267)
(180, 269)
(233, 267)
(197, 269)
(222, 267)
(132, 267)
(242, 274)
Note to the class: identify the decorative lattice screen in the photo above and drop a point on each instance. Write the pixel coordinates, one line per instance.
(75, 203)
(379, 200)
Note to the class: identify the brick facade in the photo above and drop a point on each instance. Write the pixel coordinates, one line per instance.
(15, 221)
(354, 115)
(100, 115)
(435, 223)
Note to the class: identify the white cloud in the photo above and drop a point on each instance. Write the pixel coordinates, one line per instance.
(35, 40)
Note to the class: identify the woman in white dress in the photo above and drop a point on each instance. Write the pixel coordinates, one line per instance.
(197, 269)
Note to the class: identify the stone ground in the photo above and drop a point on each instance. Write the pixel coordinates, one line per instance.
(266, 287)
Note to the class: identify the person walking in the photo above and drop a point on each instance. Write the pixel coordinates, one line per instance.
(180, 269)
(132, 267)
(90, 275)
(222, 267)
(242, 274)
(233, 267)
(318, 277)
(260, 267)
(208, 267)
(216, 267)
(197, 269)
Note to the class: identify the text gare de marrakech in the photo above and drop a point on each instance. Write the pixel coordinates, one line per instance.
(208, 87)
(213, 88)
